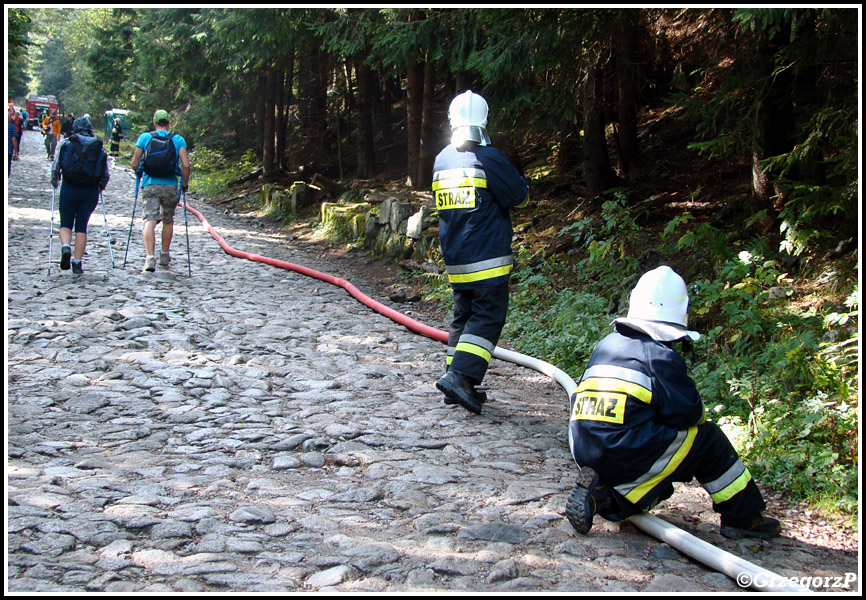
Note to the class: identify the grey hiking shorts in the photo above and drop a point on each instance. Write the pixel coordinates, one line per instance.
(160, 201)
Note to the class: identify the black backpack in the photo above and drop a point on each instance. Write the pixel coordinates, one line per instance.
(160, 157)
(82, 161)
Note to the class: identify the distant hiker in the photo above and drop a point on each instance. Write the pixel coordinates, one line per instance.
(638, 423)
(14, 141)
(160, 156)
(82, 165)
(475, 188)
(116, 136)
(66, 128)
(19, 124)
(51, 131)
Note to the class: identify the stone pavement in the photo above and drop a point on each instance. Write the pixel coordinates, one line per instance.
(250, 429)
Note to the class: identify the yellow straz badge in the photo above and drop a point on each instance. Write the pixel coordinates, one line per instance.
(455, 198)
(603, 406)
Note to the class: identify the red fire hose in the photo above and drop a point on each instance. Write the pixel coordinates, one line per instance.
(412, 324)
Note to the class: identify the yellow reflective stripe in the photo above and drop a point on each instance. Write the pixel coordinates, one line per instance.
(641, 490)
(448, 359)
(473, 349)
(479, 275)
(736, 486)
(598, 384)
(459, 172)
(459, 182)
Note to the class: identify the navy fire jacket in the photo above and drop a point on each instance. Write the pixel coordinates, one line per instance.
(474, 189)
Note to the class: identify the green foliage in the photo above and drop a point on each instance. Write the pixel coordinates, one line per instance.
(702, 239)
(435, 288)
(559, 327)
(737, 299)
(611, 248)
(581, 232)
(814, 162)
(110, 58)
(19, 26)
(533, 60)
(213, 172)
(767, 368)
(818, 434)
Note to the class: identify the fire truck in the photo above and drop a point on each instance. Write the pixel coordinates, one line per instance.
(38, 107)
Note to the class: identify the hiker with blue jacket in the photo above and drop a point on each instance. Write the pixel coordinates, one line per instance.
(159, 158)
(82, 165)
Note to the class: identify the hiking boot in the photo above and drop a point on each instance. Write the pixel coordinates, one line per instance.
(76, 268)
(760, 527)
(65, 257)
(587, 500)
(149, 264)
(460, 390)
(164, 259)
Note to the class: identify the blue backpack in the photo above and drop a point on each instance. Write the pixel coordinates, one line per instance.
(160, 157)
(82, 160)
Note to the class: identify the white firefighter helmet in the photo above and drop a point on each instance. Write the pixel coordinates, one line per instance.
(468, 117)
(660, 297)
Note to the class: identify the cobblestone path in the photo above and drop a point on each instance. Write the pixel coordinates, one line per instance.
(251, 429)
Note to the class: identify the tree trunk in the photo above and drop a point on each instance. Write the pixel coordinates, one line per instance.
(597, 170)
(414, 112)
(279, 120)
(626, 74)
(313, 105)
(260, 114)
(462, 82)
(284, 92)
(366, 146)
(385, 94)
(268, 122)
(428, 130)
(773, 120)
(290, 100)
(568, 158)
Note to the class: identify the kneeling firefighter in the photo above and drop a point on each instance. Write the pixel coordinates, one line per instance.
(638, 423)
(475, 188)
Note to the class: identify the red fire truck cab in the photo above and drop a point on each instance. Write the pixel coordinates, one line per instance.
(37, 108)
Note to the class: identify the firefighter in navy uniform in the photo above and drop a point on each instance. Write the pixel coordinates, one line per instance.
(638, 423)
(475, 188)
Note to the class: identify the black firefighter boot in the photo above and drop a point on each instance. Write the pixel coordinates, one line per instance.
(587, 500)
(459, 389)
(759, 527)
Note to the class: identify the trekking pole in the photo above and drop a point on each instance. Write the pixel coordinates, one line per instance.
(107, 233)
(51, 229)
(134, 203)
(186, 226)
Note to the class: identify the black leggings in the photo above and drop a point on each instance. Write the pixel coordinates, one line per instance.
(77, 203)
